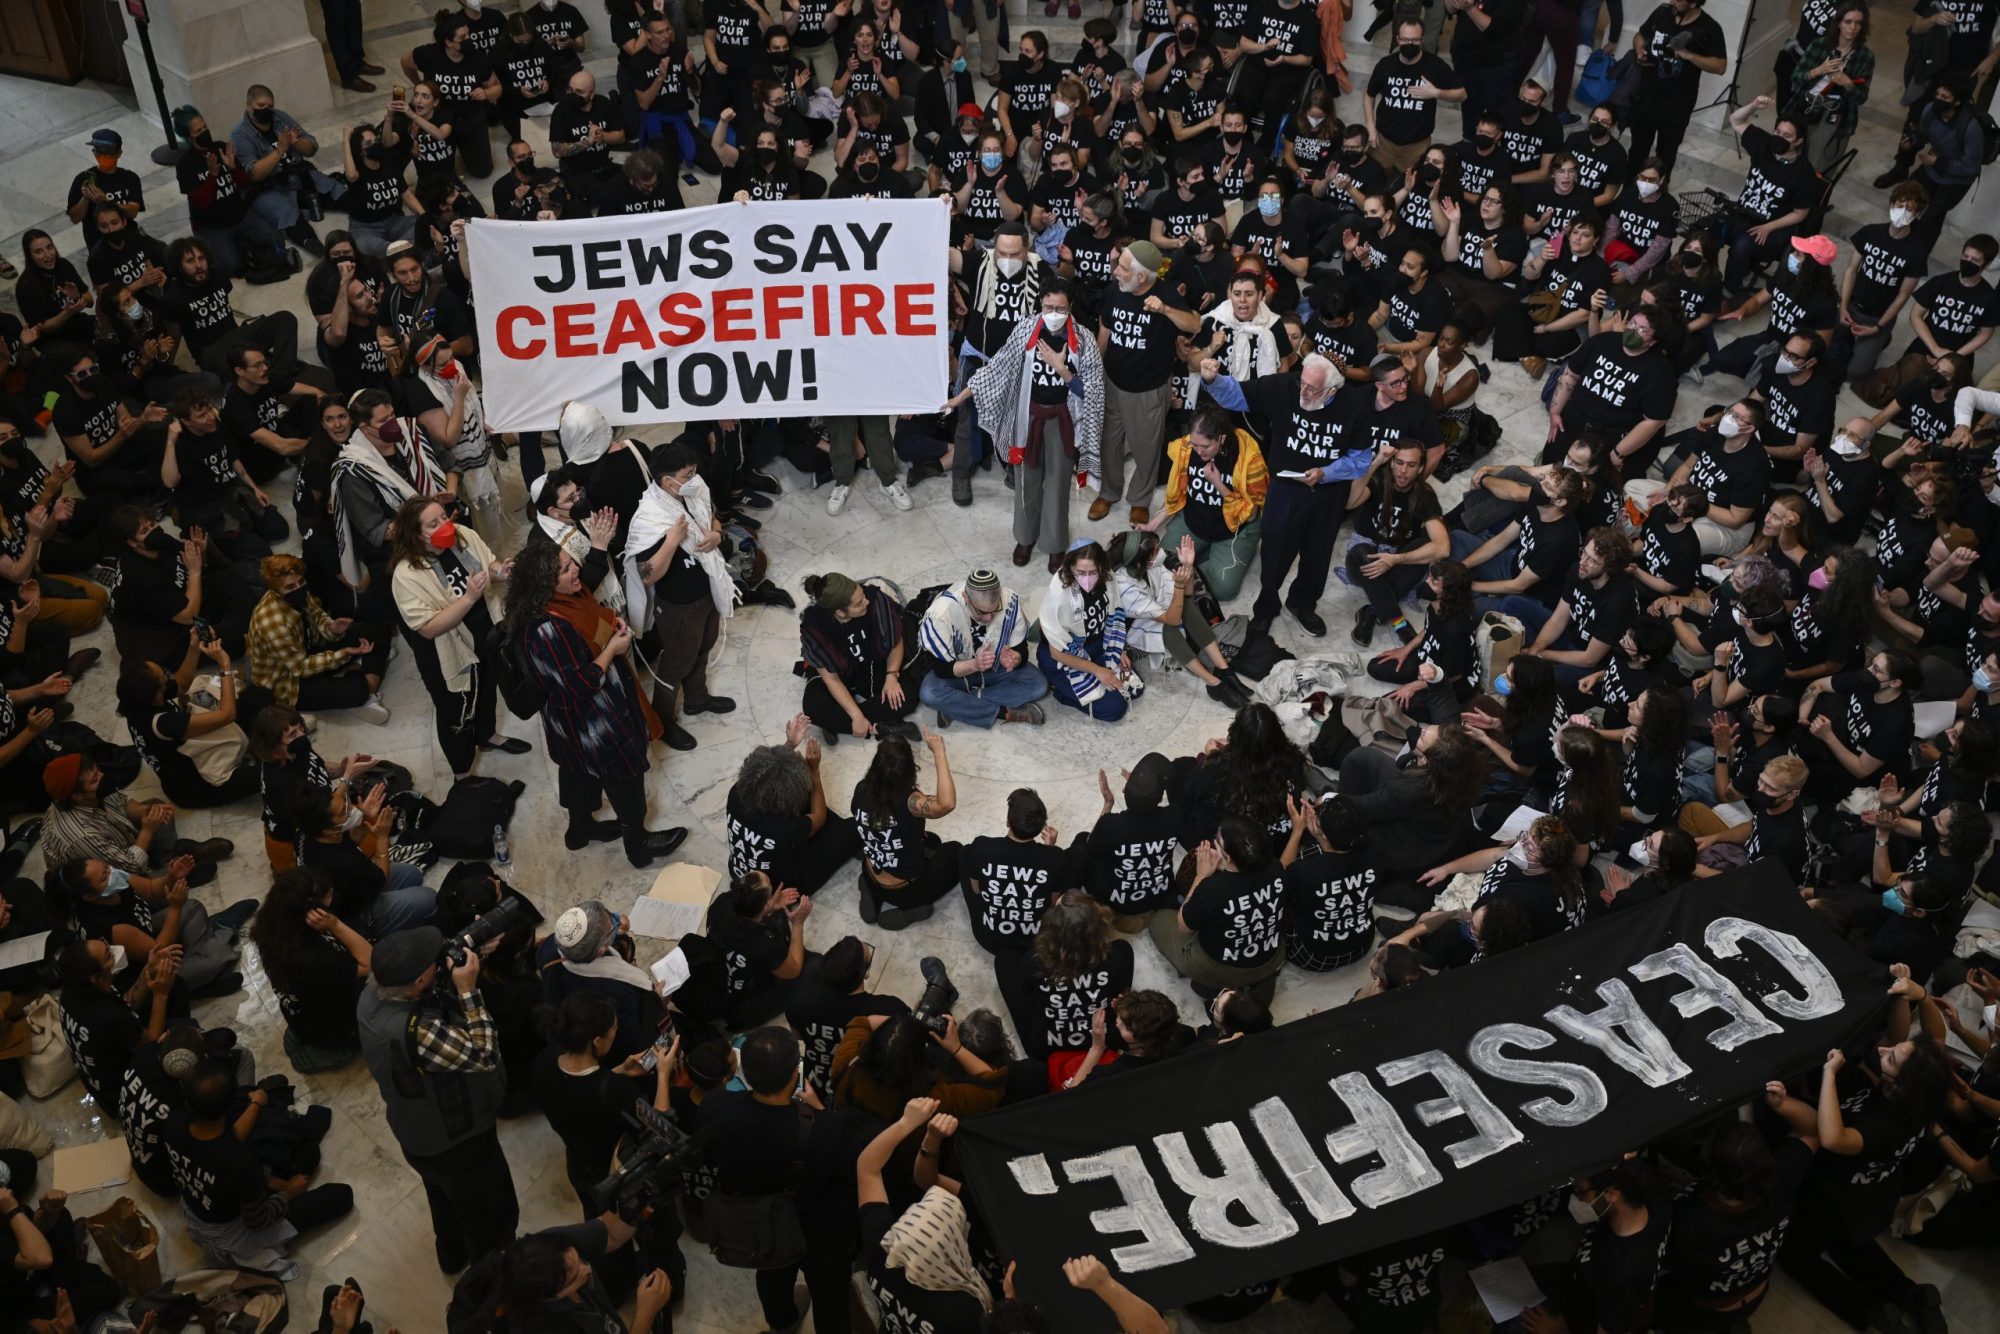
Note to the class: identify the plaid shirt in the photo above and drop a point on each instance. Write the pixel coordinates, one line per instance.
(446, 1045)
(277, 642)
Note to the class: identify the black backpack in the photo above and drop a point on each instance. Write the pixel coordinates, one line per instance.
(1989, 149)
(518, 687)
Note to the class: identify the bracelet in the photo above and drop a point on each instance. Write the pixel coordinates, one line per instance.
(12, 1214)
(927, 1153)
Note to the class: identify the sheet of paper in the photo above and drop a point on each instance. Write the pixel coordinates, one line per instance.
(1735, 813)
(672, 969)
(665, 920)
(83, 1167)
(1715, 574)
(26, 950)
(1506, 1288)
(1934, 717)
(1296, 474)
(1517, 824)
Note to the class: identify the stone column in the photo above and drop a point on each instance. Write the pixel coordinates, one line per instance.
(210, 51)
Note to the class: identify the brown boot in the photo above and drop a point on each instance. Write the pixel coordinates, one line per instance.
(1534, 366)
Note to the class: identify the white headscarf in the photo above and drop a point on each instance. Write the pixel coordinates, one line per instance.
(930, 1244)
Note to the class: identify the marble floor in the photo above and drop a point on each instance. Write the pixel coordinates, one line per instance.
(385, 1243)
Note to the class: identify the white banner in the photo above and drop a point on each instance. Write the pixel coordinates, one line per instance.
(833, 308)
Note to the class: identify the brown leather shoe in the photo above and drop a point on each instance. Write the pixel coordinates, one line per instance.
(1534, 366)
(1021, 553)
(1140, 514)
(1099, 508)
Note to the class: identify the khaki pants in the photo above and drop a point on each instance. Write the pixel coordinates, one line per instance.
(1399, 158)
(1135, 427)
(77, 615)
(988, 28)
(1700, 820)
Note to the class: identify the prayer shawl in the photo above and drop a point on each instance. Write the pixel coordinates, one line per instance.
(575, 543)
(1001, 390)
(360, 459)
(1065, 623)
(930, 1243)
(658, 511)
(986, 287)
(471, 458)
(1251, 350)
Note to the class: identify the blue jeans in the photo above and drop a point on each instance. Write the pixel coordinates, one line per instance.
(956, 699)
(253, 227)
(404, 902)
(1108, 707)
(1493, 568)
(967, 446)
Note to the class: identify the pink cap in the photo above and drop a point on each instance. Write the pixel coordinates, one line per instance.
(1818, 247)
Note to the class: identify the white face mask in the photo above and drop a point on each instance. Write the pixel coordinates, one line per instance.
(1054, 320)
(1848, 447)
(1315, 119)
(352, 819)
(1986, 1016)
(1011, 268)
(1584, 1212)
(1741, 616)
(118, 961)
(1648, 189)
(135, 312)
(1518, 854)
(1060, 109)
(1786, 366)
(1729, 427)
(1640, 853)
(1901, 217)
(474, 6)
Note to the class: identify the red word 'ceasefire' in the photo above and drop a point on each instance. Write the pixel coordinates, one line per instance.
(724, 315)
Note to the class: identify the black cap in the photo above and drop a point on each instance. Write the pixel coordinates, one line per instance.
(401, 958)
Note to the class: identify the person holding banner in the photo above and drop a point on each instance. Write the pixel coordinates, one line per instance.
(1007, 284)
(1046, 412)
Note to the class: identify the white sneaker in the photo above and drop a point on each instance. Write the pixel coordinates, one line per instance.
(899, 495)
(836, 499)
(374, 711)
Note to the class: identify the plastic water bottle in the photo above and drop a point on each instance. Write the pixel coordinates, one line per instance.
(500, 853)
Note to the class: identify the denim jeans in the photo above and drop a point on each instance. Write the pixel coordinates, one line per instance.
(979, 699)
(405, 901)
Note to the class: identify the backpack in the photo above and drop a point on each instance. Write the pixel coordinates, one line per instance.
(1989, 148)
(518, 687)
(462, 826)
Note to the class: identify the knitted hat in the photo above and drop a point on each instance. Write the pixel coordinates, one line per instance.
(59, 776)
(401, 957)
(1146, 255)
(982, 580)
(583, 931)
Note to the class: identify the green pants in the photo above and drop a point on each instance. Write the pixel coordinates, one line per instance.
(1222, 564)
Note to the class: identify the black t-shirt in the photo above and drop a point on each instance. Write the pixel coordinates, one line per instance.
(1597, 165)
(1600, 613)
(734, 25)
(1542, 198)
(750, 949)
(1956, 312)
(207, 464)
(905, 1308)
(1796, 308)
(1527, 143)
(1509, 245)
(1616, 390)
(1667, 77)
(1664, 554)
(355, 876)
(1773, 185)
(1536, 894)
(1301, 440)
(455, 80)
(1610, 1282)
(359, 362)
(1780, 835)
(1139, 352)
(1179, 217)
(1885, 262)
(1865, 1186)
(1640, 220)
(1131, 858)
(146, 1098)
(218, 1178)
(1867, 726)
(524, 67)
(120, 186)
(1238, 915)
(891, 841)
(151, 590)
(318, 996)
(770, 845)
(989, 333)
(1067, 1004)
(202, 312)
(640, 69)
(1549, 549)
(247, 411)
(1399, 117)
(570, 123)
(1295, 28)
(1413, 312)
(376, 192)
(586, 1111)
(1477, 170)
(1330, 900)
(752, 1143)
(820, 1015)
(126, 264)
(1713, 1255)
(1010, 885)
(227, 198)
(1731, 477)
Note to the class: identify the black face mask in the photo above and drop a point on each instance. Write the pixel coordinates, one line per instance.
(1947, 110)
(264, 117)
(1410, 50)
(1529, 111)
(86, 380)
(297, 598)
(1691, 263)
(767, 157)
(1355, 157)
(1760, 801)
(368, 148)
(1939, 380)
(1428, 172)
(1186, 36)
(1485, 142)
(1600, 133)
(1369, 227)
(1233, 141)
(867, 171)
(203, 141)
(525, 167)
(1969, 268)
(162, 541)
(1133, 156)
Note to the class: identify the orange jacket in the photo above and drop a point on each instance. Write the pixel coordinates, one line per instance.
(1248, 481)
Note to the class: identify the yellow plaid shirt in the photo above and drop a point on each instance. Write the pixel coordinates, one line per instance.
(278, 646)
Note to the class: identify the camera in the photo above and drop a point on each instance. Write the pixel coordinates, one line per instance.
(934, 1006)
(510, 912)
(652, 1162)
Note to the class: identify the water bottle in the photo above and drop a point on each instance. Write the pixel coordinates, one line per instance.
(500, 853)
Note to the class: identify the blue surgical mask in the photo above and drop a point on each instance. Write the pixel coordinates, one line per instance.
(116, 881)
(1792, 262)
(1503, 686)
(958, 65)
(1983, 680)
(991, 161)
(1893, 901)
(1270, 205)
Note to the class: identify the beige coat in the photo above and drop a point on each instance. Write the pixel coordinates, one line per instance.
(422, 594)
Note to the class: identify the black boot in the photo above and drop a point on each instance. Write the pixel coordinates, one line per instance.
(649, 845)
(582, 833)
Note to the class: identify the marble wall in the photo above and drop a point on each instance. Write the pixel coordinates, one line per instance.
(209, 51)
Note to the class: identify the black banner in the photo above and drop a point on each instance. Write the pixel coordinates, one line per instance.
(1399, 1115)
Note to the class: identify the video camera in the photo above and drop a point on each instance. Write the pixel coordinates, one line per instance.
(934, 1006)
(652, 1162)
(511, 911)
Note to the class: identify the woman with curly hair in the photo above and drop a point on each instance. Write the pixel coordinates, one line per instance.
(1254, 771)
(1438, 672)
(904, 869)
(1078, 965)
(778, 818)
(1826, 630)
(1521, 736)
(317, 965)
(1542, 873)
(1149, 1031)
